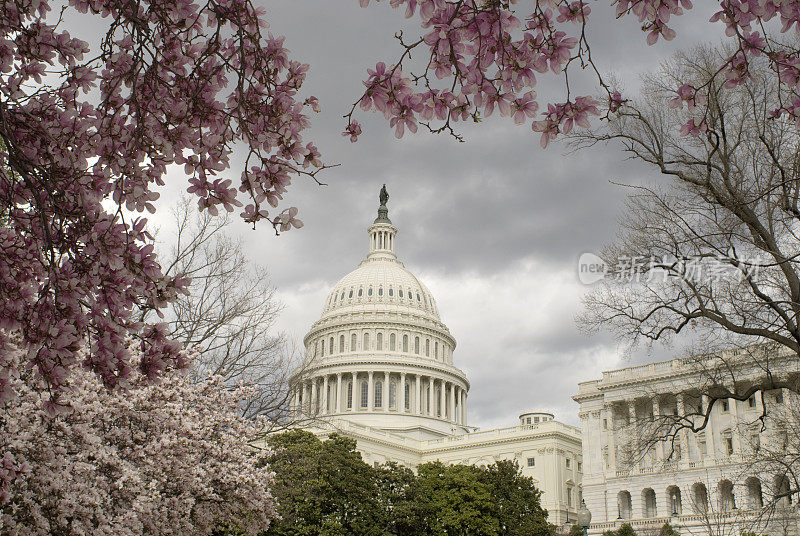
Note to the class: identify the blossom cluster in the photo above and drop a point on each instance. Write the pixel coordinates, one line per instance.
(86, 138)
(165, 458)
(485, 56)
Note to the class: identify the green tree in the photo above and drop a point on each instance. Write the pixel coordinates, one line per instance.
(394, 495)
(626, 530)
(576, 530)
(323, 488)
(669, 530)
(518, 502)
(452, 500)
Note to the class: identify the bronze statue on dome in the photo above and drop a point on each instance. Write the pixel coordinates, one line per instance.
(384, 196)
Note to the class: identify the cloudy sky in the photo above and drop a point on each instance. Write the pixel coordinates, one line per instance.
(493, 226)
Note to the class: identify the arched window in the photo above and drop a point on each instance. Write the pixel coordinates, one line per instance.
(392, 395)
(369, 292)
(391, 291)
(405, 343)
(624, 504)
(416, 345)
(342, 296)
(400, 293)
(380, 291)
(418, 298)
(360, 292)
(341, 343)
(366, 342)
(427, 347)
(364, 394)
(700, 498)
(674, 500)
(323, 348)
(438, 403)
(353, 342)
(330, 346)
(436, 350)
(351, 294)
(335, 296)
(391, 342)
(378, 394)
(349, 395)
(726, 498)
(379, 341)
(408, 400)
(649, 501)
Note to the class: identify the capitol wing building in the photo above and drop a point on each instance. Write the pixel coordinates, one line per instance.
(714, 482)
(379, 368)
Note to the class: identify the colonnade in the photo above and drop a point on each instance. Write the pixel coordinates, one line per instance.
(382, 391)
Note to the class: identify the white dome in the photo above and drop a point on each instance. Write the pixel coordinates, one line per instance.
(380, 330)
(379, 283)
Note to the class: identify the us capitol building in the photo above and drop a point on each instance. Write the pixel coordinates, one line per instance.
(379, 368)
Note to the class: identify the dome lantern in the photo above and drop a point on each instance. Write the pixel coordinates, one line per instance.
(382, 232)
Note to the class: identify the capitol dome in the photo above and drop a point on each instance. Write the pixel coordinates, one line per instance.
(379, 355)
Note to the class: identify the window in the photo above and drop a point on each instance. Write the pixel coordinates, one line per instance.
(341, 343)
(580, 467)
(751, 402)
(779, 397)
(351, 294)
(391, 342)
(605, 424)
(410, 295)
(535, 420)
(331, 345)
(702, 445)
(342, 296)
(334, 297)
(531, 462)
(408, 400)
(416, 345)
(323, 348)
(378, 394)
(392, 395)
(380, 291)
(364, 394)
(427, 347)
(405, 343)
(436, 350)
(418, 298)
(353, 342)
(360, 292)
(756, 441)
(400, 293)
(349, 395)
(569, 497)
(369, 292)
(391, 291)
(366, 342)
(729, 445)
(568, 462)
(724, 405)
(379, 341)
(528, 420)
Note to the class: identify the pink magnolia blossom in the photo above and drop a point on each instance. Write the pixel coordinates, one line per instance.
(694, 127)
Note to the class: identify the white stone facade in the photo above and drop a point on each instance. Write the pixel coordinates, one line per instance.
(379, 368)
(707, 483)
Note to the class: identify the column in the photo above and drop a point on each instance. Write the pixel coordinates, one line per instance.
(659, 447)
(442, 399)
(709, 433)
(355, 401)
(385, 394)
(463, 407)
(684, 441)
(737, 446)
(451, 399)
(611, 436)
(339, 408)
(325, 395)
(370, 392)
(402, 392)
(429, 397)
(307, 397)
(418, 385)
(295, 402)
(313, 402)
